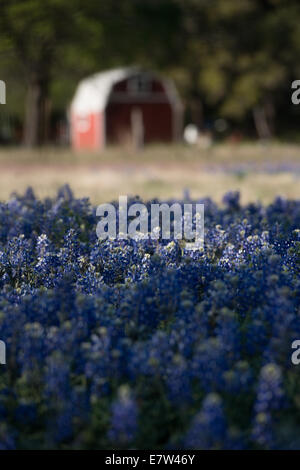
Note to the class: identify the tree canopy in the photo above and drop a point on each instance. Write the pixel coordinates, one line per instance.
(233, 59)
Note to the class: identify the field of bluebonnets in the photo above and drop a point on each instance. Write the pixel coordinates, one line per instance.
(136, 345)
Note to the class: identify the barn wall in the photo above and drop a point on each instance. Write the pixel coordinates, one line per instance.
(87, 131)
(156, 110)
(140, 102)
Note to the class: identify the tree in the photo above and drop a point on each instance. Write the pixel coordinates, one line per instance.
(233, 59)
(38, 34)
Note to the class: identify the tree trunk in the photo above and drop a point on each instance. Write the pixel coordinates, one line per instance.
(196, 107)
(262, 125)
(36, 128)
(196, 111)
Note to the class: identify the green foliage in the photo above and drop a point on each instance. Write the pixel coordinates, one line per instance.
(226, 57)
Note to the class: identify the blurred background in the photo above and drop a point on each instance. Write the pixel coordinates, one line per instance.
(231, 65)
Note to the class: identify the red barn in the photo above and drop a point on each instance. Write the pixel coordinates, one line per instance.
(125, 105)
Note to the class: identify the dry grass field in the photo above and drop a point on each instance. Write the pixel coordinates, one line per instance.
(259, 171)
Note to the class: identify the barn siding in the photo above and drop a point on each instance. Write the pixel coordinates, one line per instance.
(156, 111)
(87, 131)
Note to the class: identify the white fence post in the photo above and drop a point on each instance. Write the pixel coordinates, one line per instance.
(2, 352)
(2, 92)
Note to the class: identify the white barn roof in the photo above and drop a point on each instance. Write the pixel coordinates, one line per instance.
(93, 92)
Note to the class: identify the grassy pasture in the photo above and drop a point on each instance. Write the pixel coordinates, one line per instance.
(259, 171)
